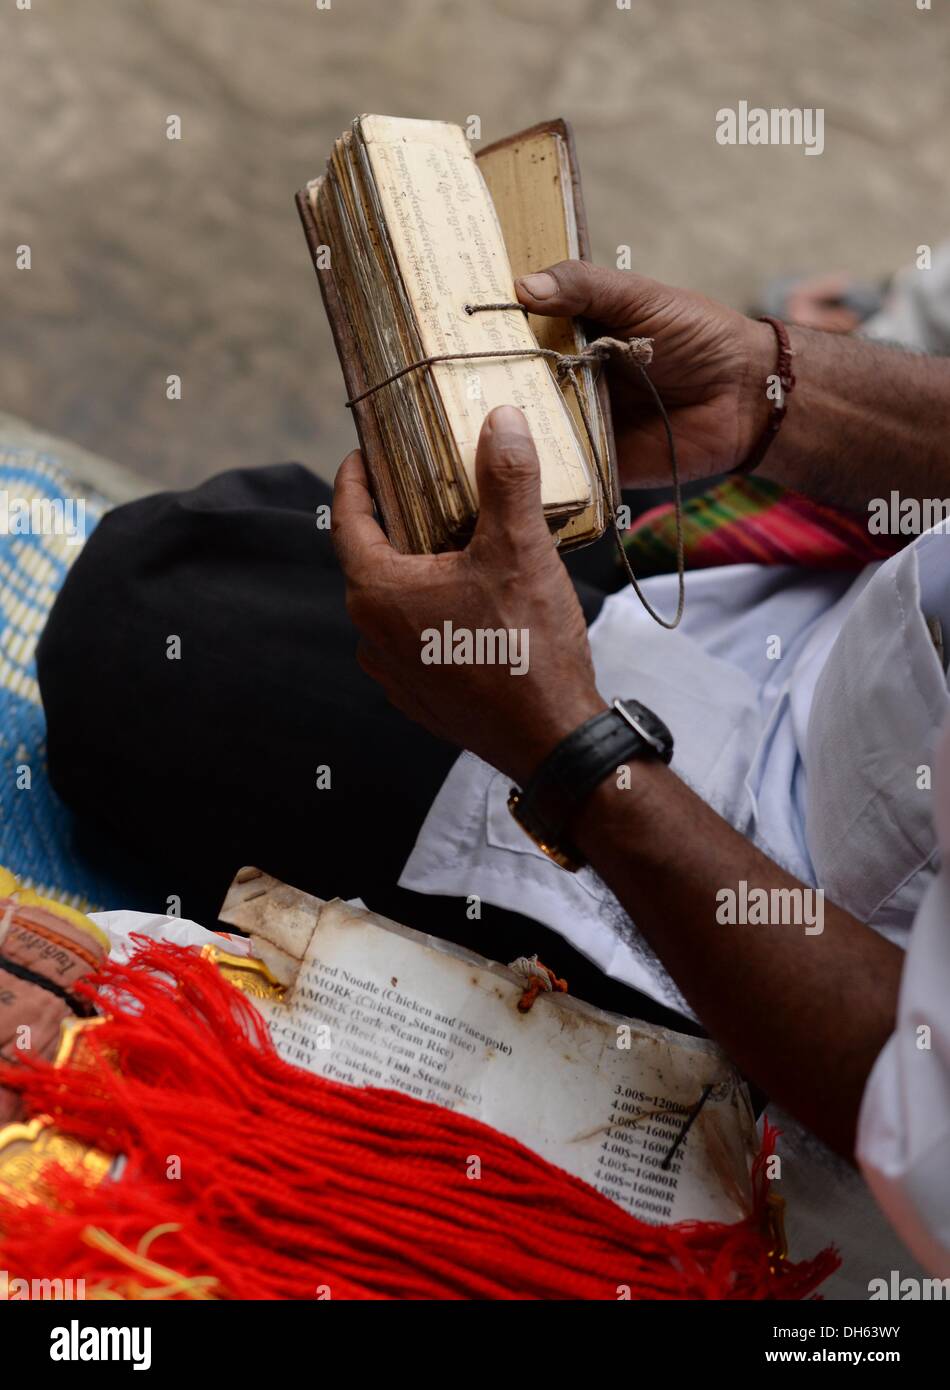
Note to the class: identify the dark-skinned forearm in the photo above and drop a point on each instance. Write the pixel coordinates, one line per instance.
(804, 1017)
(863, 419)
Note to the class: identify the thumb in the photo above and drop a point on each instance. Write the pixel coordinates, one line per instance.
(574, 289)
(508, 474)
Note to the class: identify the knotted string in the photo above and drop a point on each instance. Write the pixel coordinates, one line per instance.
(636, 353)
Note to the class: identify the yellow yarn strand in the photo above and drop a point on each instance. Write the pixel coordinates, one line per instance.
(168, 1282)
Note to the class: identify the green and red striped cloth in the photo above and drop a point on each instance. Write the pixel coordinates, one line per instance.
(755, 521)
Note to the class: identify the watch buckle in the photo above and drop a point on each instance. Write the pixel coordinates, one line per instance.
(638, 728)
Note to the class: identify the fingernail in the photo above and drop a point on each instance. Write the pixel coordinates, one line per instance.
(508, 420)
(539, 286)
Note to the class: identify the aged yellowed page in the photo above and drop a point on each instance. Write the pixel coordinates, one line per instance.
(529, 179)
(451, 253)
(377, 1004)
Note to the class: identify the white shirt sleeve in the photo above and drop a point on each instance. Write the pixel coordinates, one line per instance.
(904, 1126)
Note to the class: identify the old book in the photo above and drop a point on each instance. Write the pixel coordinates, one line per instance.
(656, 1120)
(411, 235)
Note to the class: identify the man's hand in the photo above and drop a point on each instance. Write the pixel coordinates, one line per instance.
(508, 580)
(862, 416)
(710, 367)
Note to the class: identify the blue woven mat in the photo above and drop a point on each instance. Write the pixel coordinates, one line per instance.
(35, 827)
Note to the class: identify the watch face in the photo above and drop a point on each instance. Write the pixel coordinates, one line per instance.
(560, 857)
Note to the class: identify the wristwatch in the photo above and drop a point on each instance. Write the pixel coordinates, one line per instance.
(579, 763)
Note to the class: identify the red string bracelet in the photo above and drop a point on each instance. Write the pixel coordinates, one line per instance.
(779, 407)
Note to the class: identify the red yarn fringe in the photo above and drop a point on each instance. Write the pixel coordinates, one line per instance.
(259, 1180)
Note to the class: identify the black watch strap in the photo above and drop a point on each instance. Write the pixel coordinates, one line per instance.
(578, 765)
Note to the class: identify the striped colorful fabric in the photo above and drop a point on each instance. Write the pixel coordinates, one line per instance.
(35, 827)
(755, 521)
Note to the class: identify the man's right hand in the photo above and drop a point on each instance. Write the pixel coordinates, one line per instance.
(710, 366)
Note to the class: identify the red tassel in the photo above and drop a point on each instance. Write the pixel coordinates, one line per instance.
(246, 1177)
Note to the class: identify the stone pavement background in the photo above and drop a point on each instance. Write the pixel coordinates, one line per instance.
(153, 257)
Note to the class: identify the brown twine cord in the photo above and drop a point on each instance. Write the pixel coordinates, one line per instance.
(635, 353)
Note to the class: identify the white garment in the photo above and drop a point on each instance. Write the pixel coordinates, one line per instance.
(904, 1127)
(814, 755)
(916, 311)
